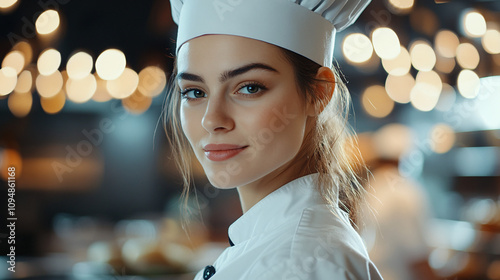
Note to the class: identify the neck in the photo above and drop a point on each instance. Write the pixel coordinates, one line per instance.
(252, 193)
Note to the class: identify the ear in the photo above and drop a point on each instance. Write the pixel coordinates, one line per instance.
(323, 90)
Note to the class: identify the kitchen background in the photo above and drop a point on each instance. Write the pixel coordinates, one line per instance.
(82, 87)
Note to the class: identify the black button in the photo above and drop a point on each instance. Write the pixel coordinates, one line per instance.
(209, 272)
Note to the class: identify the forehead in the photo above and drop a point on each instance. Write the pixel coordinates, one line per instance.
(213, 52)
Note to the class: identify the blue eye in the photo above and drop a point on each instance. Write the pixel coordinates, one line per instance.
(192, 94)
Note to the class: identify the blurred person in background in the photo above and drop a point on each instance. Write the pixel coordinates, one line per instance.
(396, 239)
(255, 97)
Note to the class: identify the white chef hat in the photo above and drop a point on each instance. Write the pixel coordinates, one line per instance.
(306, 27)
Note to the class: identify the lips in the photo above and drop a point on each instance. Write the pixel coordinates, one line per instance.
(221, 152)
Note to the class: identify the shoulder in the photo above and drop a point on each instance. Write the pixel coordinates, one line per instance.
(328, 228)
(325, 246)
(312, 268)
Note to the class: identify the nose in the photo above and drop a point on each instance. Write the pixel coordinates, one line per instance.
(217, 116)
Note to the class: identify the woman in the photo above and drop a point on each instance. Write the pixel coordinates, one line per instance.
(254, 96)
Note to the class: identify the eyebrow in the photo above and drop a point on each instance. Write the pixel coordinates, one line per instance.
(226, 75)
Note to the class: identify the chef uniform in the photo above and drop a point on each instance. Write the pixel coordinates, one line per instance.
(291, 233)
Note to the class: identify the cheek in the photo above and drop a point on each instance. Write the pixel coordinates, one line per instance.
(190, 123)
(279, 129)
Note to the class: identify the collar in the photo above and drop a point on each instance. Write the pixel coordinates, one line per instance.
(279, 206)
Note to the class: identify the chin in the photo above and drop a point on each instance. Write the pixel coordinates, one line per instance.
(226, 174)
(224, 179)
(221, 179)
(222, 182)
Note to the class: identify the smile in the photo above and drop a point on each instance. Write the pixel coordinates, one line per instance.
(221, 152)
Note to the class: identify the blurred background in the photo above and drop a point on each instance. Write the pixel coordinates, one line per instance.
(82, 85)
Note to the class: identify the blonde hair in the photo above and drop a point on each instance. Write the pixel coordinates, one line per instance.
(330, 154)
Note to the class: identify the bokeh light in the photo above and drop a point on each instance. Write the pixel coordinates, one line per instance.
(81, 90)
(446, 43)
(467, 56)
(20, 103)
(444, 64)
(8, 80)
(357, 48)
(411, 60)
(101, 93)
(48, 62)
(430, 78)
(422, 55)
(4, 4)
(55, 104)
(15, 60)
(376, 102)
(64, 74)
(392, 141)
(468, 83)
(398, 66)
(399, 87)
(423, 100)
(481, 211)
(137, 103)
(124, 85)
(474, 24)
(386, 43)
(10, 157)
(152, 80)
(425, 94)
(103, 252)
(400, 7)
(49, 86)
(47, 22)
(110, 64)
(24, 82)
(79, 65)
(443, 138)
(491, 41)
(447, 98)
(26, 50)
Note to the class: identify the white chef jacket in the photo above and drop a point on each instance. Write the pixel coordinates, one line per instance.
(293, 234)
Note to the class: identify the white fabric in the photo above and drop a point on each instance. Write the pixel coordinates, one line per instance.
(292, 234)
(306, 27)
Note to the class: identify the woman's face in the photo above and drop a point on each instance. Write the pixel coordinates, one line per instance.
(240, 109)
